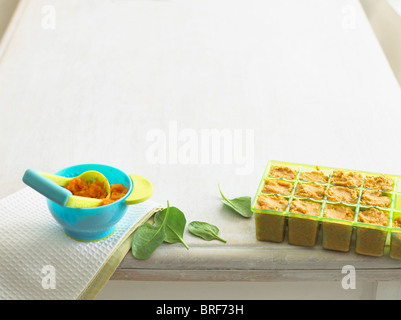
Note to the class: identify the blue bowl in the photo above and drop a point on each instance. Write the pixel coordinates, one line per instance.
(92, 224)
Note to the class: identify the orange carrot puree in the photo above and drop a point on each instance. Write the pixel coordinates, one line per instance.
(96, 189)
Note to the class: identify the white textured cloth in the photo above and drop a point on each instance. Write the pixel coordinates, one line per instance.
(39, 261)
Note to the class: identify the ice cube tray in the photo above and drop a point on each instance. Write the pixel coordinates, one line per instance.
(337, 234)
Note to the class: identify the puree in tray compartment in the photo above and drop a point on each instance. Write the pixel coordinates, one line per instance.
(305, 207)
(375, 198)
(339, 212)
(344, 178)
(380, 182)
(273, 202)
(374, 216)
(314, 176)
(310, 190)
(282, 172)
(342, 194)
(95, 189)
(397, 222)
(277, 186)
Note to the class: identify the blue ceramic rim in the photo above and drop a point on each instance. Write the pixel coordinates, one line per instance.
(116, 203)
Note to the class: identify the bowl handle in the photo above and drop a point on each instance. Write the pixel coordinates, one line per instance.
(46, 187)
(142, 190)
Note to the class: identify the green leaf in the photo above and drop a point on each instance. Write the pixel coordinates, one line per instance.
(147, 238)
(175, 225)
(241, 205)
(204, 230)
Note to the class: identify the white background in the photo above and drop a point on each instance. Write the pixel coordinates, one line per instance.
(309, 79)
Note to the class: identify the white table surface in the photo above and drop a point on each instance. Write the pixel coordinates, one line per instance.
(396, 5)
(307, 79)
